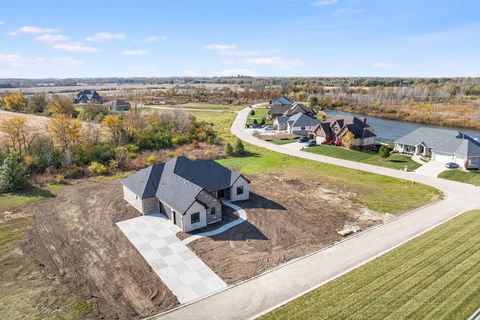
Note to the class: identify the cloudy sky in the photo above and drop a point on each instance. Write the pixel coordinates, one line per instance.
(87, 38)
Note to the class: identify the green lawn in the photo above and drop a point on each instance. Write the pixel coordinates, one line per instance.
(203, 106)
(435, 276)
(395, 161)
(9, 201)
(286, 141)
(380, 193)
(259, 114)
(471, 177)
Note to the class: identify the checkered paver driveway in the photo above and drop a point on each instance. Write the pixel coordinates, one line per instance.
(188, 277)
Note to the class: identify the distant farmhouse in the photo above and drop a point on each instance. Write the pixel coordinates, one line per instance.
(88, 96)
(187, 192)
(117, 105)
(335, 128)
(441, 146)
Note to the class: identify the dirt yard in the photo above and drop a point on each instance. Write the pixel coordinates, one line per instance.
(75, 239)
(287, 218)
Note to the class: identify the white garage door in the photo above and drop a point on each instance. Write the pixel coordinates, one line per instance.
(443, 158)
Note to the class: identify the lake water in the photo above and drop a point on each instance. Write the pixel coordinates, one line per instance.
(391, 130)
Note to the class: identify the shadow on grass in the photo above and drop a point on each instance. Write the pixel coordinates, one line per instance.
(34, 192)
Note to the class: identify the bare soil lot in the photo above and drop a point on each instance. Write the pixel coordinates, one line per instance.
(75, 239)
(287, 218)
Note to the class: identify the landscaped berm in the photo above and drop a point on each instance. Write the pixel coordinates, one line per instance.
(436, 276)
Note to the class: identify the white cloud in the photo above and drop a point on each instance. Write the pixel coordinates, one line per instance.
(324, 2)
(33, 30)
(219, 47)
(105, 36)
(278, 62)
(52, 38)
(74, 47)
(17, 61)
(235, 72)
(134, 52)
(1, 23)
(191, 73)
(153, 39)
(346, 12)
(383, 65)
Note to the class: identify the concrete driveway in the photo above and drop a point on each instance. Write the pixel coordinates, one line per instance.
(431, 169)
(275, 287)
(188, 277)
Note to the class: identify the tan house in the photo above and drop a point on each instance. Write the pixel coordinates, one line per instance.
(336, 128)
(188, 192)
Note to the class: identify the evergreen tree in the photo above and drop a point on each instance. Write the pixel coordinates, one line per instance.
(12, 174)
(228, 149)
(239, 148)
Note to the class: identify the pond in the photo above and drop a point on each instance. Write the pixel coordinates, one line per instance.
(391, 130)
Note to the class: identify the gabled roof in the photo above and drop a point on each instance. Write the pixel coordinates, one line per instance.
(282, 101)
(179, 181)
(278, 109)
(443, 140)
(281, 120)
(299, 108)
(302, 120)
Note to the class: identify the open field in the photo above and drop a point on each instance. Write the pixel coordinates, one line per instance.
(471, 177)
(395, 161)
(199, 106)
(259, 114)
(298, 218)
(281, 142)
(435, 276)
(35, 122)
(10, 201)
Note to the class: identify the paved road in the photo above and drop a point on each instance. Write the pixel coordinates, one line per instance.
(288, 281)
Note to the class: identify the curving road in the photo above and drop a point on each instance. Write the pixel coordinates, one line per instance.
(286, 282)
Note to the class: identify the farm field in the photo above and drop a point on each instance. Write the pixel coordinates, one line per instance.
(199, 106)
(395, 161)
(434, 276)
(471, 177)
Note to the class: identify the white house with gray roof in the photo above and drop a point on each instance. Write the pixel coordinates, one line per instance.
(299, 123)
(188, 192)
(441, 146)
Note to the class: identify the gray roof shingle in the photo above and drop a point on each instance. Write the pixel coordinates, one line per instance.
(302, 120)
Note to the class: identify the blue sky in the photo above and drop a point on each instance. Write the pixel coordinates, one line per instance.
(87, 38)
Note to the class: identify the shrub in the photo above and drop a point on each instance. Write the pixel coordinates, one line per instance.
(151, 159)
(97, 168)
(338, 143)
(252, 113)
(12, 174)
(60, 179)
(384, 152)
(114, 164)
(331, 142)
(239, 148)
(211, 139)
(228, 149)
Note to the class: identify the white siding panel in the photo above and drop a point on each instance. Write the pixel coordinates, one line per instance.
(246, 190)
(132, 198)
(196, 207)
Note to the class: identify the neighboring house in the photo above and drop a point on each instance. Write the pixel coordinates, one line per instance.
(279, 106)
(300, 108)
(301, 124)
(117, 105)
(88, 96)
(187, 192)
(336, 128)
(441, 145)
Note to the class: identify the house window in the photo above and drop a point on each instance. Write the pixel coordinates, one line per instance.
(239, 190)
(212, 211)
(195, 217)
(302, 128)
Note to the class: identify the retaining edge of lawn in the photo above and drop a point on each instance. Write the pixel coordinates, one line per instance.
(284, 264)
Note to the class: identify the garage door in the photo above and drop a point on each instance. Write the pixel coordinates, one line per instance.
(443, 158)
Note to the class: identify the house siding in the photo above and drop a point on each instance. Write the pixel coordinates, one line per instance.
(132, 199)
(241, 181)
(211, 202)
(186, 218)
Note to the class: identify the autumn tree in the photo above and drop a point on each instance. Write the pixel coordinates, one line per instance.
(348, 140)
(37, 103)
(18, 134)
(113, 125)
(15, 101)
(66, 133)
(61, 106)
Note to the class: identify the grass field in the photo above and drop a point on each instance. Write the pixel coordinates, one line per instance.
(471, 177)
(395, 161)
(281, 142)
(200, 106)
(379, 193)
(435, 276)
(10, 201)
(260, 113)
